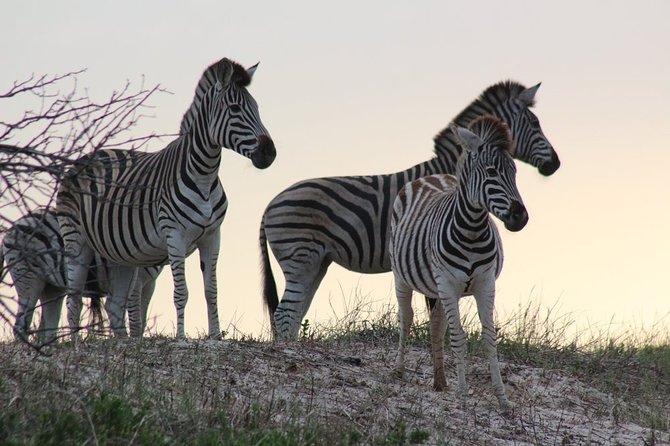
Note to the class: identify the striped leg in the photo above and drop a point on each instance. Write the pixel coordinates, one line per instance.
(122, 286)
(209, 254)
(302, 281)
(138, 305)
(438, 328)
(450, 292)
(485, 302)
(78, 258)
(135, 321)
(405, 316)
(177, 253)
(77, 272)
(29, 288)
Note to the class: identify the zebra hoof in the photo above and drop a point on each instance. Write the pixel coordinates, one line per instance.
(506, 406)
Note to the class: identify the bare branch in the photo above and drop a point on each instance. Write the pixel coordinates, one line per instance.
(59, 125)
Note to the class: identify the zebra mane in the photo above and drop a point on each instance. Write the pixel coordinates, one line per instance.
(213, 73)
(488, 100)
(492, 131)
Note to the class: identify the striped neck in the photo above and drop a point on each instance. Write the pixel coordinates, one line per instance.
(204, 154)
(470, 219)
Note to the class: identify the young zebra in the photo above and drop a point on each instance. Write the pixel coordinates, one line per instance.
(444, 244)
(346, 220)
(148, 209)
(34, 255)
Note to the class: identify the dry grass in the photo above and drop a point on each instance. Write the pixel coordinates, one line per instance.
(334, 386)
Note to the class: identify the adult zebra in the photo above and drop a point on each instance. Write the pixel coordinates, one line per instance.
(444, 244)
(346, 220)
(34, 255)
(153, 208)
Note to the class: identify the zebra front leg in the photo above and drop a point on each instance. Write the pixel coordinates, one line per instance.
(405, 316)
(485, 302)
(209, 254)
(449, 293)
(208, 248)
(177, 257)
(438, 328)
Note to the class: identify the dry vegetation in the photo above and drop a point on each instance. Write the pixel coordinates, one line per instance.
(334, 386)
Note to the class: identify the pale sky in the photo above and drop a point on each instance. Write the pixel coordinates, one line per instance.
(354, 87)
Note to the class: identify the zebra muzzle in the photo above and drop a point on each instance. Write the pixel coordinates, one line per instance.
(516, 218)
(265, 153)
(550, 166)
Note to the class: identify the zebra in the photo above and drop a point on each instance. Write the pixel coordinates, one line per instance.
(346, 220)
(444, 244)
(138, 209)
(34, 255)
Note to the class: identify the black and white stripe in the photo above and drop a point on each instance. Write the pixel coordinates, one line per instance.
(444, 244)
(346, 219)
(140, 209)
(33, 253)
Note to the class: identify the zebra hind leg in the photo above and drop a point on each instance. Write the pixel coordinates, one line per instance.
(29, 287)
(301, 286)
(52, 306)
(122, 287)
(25, 311)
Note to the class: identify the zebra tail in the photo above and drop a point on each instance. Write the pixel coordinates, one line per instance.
(96, 313)
(270, 298)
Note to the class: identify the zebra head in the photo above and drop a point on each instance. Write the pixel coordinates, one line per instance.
(529, 143)
(487, 171)
(234, 119)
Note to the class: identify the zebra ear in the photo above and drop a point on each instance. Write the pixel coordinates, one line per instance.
(466, 139)
(527, 97)
(223, 73)
(251, 70)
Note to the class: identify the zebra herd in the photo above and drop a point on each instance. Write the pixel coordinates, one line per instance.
(121, 216)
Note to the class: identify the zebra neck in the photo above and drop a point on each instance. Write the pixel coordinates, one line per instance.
(203, 156)
(469, 221)
(204, 153)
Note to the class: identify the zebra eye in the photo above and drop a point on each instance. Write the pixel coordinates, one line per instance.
(235, 108)
(491, 171)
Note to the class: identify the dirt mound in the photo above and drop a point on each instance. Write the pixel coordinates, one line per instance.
(346, 384)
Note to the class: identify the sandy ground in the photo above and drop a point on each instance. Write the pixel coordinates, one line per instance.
(352, 384)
